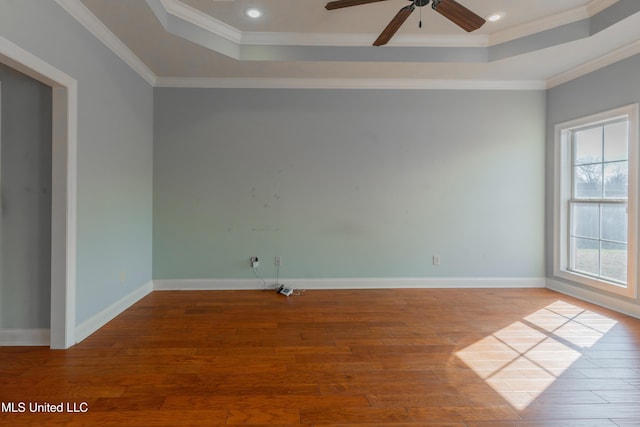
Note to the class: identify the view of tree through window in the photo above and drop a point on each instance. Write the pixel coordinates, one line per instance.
(598, 206)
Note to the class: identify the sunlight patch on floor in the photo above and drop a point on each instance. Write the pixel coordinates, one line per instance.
(523, 359)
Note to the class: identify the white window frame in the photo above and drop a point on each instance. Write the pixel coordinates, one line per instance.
(563, 192)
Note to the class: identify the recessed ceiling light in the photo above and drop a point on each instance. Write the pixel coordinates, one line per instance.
(253, 13)
(495, 17)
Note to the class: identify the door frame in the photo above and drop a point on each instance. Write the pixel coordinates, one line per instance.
(64, 186)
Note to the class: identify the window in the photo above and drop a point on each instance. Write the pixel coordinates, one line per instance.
(596, 203)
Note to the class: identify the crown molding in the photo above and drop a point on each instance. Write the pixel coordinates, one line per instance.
(324, 83)
(181, 12)
(195, 26)
(201, 20)
(184, 12)
(550, 22)
(84, 16)
(359, 39)
(597, 6)
(611, 58)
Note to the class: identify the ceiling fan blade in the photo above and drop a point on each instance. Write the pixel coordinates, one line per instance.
(394, 25)
(337, 4)
(459, 15)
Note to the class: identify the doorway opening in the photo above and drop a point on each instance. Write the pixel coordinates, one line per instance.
(64, 186)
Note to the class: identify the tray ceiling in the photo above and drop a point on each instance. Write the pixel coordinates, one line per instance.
(297, 43)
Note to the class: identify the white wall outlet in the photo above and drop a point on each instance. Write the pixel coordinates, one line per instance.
(436, 260)
(123, 276)
(254, 262)
(278, 261)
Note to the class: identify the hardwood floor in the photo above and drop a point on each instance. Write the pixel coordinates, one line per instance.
(421, 357)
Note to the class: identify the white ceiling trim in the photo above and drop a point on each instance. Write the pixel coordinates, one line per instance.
(201, 20)
(611, 58)
(198, 27)
(595, 7)
(313, 83)
(360, 39)
(195, 17)
(83, 15)
(550, 22)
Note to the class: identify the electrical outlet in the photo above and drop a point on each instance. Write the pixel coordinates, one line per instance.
(254, 262)
(436, 260)
(123, 277)
(278, 261)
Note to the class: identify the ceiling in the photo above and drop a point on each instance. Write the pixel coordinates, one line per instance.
(298, 43)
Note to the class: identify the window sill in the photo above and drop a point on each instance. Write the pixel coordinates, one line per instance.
(628, 291)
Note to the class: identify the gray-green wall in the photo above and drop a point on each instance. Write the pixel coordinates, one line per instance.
(610, 87)
(339, 183)
(25, 234)
(348, 183)
(115, 146)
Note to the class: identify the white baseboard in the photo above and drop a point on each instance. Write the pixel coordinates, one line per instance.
(353, 283)
(615, 303)
(24, 337)
(41, 337)
(91, 325)
(209, 284)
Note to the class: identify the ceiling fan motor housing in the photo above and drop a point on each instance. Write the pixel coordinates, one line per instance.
(421, 3)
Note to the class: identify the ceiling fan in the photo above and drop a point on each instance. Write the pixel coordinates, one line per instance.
(450, 9)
